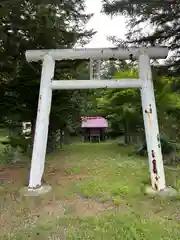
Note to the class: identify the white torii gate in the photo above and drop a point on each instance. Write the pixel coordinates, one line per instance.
(144, 83)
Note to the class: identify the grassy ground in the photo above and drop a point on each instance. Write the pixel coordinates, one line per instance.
(97, 194)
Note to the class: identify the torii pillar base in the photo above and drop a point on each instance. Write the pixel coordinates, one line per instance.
(167, 192)
(27, 192)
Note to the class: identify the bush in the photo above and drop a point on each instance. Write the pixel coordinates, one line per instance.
(167, 146)
(53, 141)
(25, 145)
(172, 159)
(12, 155)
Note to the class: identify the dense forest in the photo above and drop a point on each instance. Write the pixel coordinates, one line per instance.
(42, 24)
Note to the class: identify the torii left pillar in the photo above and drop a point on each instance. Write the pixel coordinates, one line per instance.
(42, 124)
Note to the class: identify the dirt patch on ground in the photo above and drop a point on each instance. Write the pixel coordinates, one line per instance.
(87, 207)
(14, 174)
(19, 212)
(76, 207)
(20, 174)
(61, 176)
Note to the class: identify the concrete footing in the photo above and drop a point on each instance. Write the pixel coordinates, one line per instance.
(167, 192)
(27, 192)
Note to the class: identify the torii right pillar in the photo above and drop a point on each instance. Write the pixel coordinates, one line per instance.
(151, 125)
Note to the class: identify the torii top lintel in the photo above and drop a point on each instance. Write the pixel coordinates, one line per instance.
(97, 53)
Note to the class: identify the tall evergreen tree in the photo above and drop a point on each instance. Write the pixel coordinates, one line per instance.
(41, 24)
(160, 19)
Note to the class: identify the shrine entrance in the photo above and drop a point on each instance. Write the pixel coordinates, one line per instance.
(144, 83)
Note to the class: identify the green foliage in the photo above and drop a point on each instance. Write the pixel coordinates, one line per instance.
(117, 201)
(122, 107)
(119, 190)
(167, 146)
(162, 17)
(20, 142)
(13, 147)
(111, 67)
(128, 73)
(41, 24)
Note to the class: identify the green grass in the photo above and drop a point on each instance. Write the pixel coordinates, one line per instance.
(119, 226)
(109, 226)
(86, 178)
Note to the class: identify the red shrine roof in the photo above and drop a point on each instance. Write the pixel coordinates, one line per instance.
(94, 122)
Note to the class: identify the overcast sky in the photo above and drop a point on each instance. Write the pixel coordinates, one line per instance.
(104, 25)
